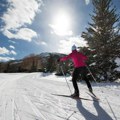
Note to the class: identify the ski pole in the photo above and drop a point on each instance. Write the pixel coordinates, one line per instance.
(65, 79)
(91, 74)
(102, 92)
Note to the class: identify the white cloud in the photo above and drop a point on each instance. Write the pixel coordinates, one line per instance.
(60, 32)
(19, 14)
(65, 45)
(12, 41)
(40, 42)
(12, 47)
(6, 58)
(44, 43)
(23, 33)
(13, 52)
(3, 51)
(87, 2)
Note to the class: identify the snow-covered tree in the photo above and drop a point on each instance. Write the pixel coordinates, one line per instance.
(103, 37)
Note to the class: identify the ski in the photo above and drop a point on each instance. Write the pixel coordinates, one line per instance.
(77, 98)
(93, 95)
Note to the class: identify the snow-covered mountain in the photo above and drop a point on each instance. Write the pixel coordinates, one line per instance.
(35, 96)
(47, 54)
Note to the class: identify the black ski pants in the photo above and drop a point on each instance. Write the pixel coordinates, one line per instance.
(83, 71)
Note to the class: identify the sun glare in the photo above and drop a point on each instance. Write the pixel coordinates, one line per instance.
(61, 24)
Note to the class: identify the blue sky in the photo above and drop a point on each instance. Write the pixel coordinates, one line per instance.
(35, 26)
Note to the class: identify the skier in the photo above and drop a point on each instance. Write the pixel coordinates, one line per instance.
(80, 68)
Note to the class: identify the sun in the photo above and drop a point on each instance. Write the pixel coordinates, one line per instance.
(61, 23)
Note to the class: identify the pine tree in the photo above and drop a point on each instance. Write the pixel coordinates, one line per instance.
(103, 37)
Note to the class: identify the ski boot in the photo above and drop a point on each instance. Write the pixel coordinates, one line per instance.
(75, 95)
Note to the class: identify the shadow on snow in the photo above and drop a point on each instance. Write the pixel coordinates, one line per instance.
(102, 114)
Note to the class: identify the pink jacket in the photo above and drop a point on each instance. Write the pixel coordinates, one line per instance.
(77, 58)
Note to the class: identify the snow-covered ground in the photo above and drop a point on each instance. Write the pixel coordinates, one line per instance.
(29, 96)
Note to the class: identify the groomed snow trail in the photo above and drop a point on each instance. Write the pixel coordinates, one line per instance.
(28, 96)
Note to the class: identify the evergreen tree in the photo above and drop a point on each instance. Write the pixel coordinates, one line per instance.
(103, 37)
(51, 63)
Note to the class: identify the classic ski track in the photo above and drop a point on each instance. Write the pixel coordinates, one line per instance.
(7, 101)
(52, 105)
(3, 84)
(62, 113)
(34, 108)
(69, 108)
(65, 108)
(37, 100)
(47, 102)
(56, 107)
(59, 107)
(29, 93)
(15, 110)
(8, 105)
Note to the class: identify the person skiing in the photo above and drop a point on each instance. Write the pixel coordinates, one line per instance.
(79, 68)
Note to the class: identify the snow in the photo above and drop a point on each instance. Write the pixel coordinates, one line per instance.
(117, 61)
(29, 96)
(45, 54)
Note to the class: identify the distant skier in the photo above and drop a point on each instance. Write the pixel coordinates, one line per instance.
(80, 68)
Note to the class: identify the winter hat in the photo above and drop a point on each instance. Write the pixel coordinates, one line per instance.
(73, 47)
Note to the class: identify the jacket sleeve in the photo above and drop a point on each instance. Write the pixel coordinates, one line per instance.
(66, 57)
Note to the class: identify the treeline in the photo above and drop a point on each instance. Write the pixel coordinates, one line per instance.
(45, 62)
